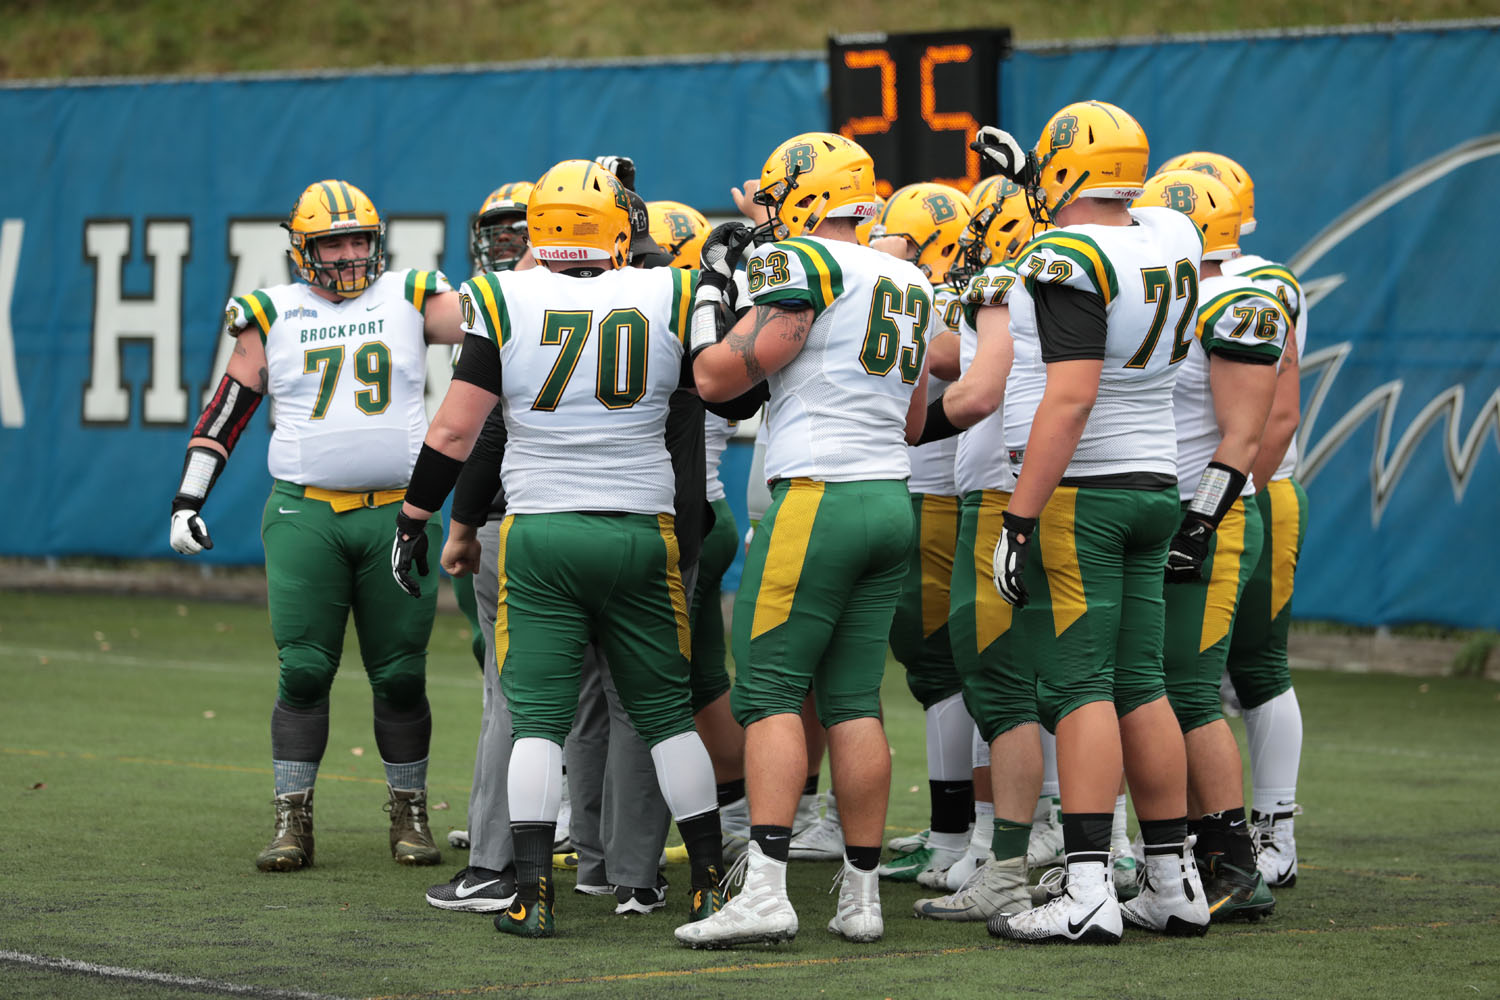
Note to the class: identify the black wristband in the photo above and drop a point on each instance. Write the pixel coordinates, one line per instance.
(200, 470)
(432, 479)
(1218, 488)
(938, 427)
(1019, 525)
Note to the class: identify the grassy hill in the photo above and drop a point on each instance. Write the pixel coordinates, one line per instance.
(49, 38)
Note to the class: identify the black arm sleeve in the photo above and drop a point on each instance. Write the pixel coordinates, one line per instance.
(478, 494)
(1243, 357)
(1070, 324)
(479, 363)
(938, 427)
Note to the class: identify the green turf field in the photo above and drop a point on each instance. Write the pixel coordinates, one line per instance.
(136, 788)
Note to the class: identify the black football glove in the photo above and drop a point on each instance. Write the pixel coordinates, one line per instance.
(409, 547)
(623, 167)
(722, 250)
(1009, 564)
(1189, 549)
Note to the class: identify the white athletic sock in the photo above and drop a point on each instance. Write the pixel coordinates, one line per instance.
(948, 737)
(1049, 765)
(1274, 732)
(1117, 826)
(979, 750)
(685, 775)
(534, 781)
(983, 833)
(948, 841)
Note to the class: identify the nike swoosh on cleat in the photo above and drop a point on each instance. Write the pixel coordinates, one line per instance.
(465, 891)
(1074, 928)
(1283, 876)
(512, 914)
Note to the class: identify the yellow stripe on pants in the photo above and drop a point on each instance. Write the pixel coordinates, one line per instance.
(1060, 558)
(667, 526)
(939, 539)
(502, 618)
(790, 533)
(992, 613)
(1224, 580)
(1286, 525)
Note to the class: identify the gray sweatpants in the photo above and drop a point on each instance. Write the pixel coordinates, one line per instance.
(489, 807)
(620, 820)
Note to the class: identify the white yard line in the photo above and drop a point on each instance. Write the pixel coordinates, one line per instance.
(147, 976)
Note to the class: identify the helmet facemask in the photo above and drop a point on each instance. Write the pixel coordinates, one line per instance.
(499, 241)
(773, 199)
(347, 277)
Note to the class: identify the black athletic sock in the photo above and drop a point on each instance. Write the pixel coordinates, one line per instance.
(811, 787)
(1164, 836)
(299, 733)
(1086, 836)
(731, 791)
(864, 858)
(533, 847)
(774, 841)
(402, 735)
(1226, 833)
(952, 805)
(702, 837)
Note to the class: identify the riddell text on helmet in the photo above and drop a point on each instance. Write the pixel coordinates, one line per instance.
(566, 253)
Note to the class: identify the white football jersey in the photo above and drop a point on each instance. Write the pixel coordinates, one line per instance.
(1280, 279)
(1237, 314)
(983, 462)
(346, 379)
(587, 366)
(838, 410)
(932, 464)
(1147, 276)
(716, 434)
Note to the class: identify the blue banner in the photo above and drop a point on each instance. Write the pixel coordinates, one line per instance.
(131, 211)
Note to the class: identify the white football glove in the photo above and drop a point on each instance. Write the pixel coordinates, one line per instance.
(1006, 153)
(1008, 565)
(189, 533)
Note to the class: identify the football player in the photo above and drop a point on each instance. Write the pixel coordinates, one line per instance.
(679, 230)
(1258, 670)
(342, 354)
(922, 223)
(1222, 398)
(839, 332)
(1083, 542)
(587, 549)
(999, 687)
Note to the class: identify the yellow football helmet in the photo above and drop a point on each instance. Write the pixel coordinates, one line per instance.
(997, 232)
(1088, 150)
(335, 208)
(579, 212)
(812, 177)
(931, 217)
(1234, 176)
(679, 230)
(862, 231)
(990, 190)
(1203, 198)
(497, 239)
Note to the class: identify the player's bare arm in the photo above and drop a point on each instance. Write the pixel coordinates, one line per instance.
(765, 340)
(454, 429)
(1242, 400)
(981, 390)
(1286, 414)
(942, 356)
(1072, 387)
(444, 324)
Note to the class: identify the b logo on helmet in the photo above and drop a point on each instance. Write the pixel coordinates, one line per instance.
(1064, 129)
(1180, 198)
(682, 226)
(799, 158)
(1008, 187)
(941, 207)
(1206, 168)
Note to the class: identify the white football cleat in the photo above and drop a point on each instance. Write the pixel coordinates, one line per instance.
(759, 913)
(1171, 899)
(734, 826)
(1046, 845)
(955, 875)
(1087, 912)
(858, 917)
(809, 809)
(1276, 844)
(907, 844)
(822, 840)
(997, 887)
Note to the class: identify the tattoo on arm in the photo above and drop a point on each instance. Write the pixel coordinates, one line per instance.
(239, 349)
(789, 324)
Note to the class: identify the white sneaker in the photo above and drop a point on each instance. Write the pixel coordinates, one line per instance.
(1171, 899)
(823, 840)
(911, 867)
(858, 917)
(759, 913)
(905, 845)
(1086, 912)
(1046, 845)
(734, 826)
(809, 810)
(1276, 854)
(955, 875)
(997, 887)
